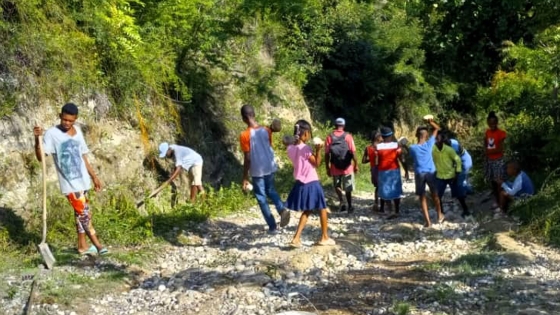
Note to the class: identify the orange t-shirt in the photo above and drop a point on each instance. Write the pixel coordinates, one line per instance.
(493, 140)
(245, 138)
(372, 156)
(388, 154)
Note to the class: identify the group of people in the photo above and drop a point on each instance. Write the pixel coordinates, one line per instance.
(438, 162)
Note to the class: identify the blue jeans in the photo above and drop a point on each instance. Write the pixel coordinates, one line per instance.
(263, 187)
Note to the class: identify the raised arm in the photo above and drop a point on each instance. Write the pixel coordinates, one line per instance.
(315, 158)
(435, 127)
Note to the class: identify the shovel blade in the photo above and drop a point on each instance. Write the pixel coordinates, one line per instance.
(47, 255)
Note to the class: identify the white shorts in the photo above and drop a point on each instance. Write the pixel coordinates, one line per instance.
(195, 175)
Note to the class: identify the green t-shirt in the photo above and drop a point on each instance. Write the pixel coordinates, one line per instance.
(447, 162)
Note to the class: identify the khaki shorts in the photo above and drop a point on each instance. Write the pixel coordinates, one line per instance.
(344, 182)
(195, 175)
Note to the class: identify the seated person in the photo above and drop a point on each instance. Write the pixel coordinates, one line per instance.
(521, 187)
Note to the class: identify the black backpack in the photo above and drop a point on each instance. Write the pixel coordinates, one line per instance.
(341, 157)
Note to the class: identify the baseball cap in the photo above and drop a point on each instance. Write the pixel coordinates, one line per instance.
(163, 147)
(340, 121)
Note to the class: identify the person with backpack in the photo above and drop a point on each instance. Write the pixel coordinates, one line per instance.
(340, 152)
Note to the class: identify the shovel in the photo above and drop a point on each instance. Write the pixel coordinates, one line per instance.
(140, 203)
(44, 247)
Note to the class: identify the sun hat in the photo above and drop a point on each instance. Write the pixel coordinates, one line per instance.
(386, 132)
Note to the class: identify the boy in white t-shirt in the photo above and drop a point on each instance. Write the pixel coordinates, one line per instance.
(65, 142)
(188, 159)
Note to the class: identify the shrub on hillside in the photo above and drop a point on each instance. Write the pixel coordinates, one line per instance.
(540, 214)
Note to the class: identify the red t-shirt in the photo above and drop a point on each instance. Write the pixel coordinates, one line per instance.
(494, 140)
(372, 156)
(388, 156)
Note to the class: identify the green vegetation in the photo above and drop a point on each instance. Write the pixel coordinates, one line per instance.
(541, 214)
(117, 223)
(193, 62)
(401, 308)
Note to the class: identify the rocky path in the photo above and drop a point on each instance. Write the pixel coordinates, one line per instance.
(231, 266)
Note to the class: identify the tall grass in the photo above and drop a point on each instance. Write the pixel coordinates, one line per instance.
(540, 214)
(116, 220)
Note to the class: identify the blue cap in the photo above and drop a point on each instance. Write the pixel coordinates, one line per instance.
(163, 147)
(340, 122)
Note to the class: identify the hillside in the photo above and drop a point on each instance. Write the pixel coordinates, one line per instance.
(147, 71)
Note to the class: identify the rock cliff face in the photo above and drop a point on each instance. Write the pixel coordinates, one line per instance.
(122, 151)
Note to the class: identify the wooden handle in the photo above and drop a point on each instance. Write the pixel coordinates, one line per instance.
(160, 188)
(44, 169)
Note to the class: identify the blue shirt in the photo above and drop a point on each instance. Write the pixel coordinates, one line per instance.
(466, 159)
(522, 185)
(422, 156)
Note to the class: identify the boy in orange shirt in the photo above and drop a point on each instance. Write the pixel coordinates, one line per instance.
(260, 167)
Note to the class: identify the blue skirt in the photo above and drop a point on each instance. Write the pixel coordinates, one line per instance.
(305, 197)
(390, 184)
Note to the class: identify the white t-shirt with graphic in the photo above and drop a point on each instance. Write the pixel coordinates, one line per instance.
(68, 158)
(185, 156)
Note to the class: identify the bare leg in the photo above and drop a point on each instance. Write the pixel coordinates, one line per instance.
(302, 221)
(202, 192)
(505, 200)
(397, 203)
(338, 191)
(82, 245)
(194, 190)
(496, 191)
(95, 241)
(349, 200)
(424, 205)
(463, 203)
(324, 228)
(437, 204)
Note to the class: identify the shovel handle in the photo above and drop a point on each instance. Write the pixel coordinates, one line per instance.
(44, 177)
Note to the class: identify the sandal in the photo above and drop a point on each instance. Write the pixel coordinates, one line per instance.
(328, 242)
(104, 251)
(295, 245)
(91, 251)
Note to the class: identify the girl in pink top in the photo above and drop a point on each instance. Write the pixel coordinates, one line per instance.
(307, 194)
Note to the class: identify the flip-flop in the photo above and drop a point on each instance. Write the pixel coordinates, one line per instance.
(92, 250)
(328, 242)
(295, 245)
(104, 251)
